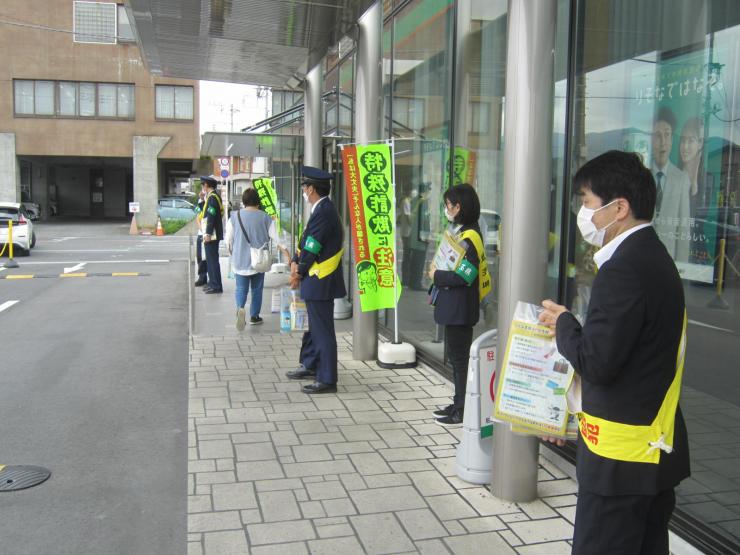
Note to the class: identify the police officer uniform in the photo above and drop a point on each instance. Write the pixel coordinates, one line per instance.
(320, 270)
(213, 215)
(202, 269)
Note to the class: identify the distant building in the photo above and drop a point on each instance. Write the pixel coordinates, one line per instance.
(85, 128)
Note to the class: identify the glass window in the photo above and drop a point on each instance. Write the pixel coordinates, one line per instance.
(44, 98)
(661, 78)
(184, 103)
(23, 97)
(174, 102)
(125, 27)
(346, 99)
(126, 101)
(87, 99)
(95, 22)
(165, 101)
(67, 99)
(107, 100)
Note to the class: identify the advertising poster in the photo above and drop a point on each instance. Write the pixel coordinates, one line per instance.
(368, 175)
(675, 103)
(268, 197)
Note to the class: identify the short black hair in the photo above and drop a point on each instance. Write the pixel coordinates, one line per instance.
(467, 198)
(666, 114)
(250, 197)
(322, 188)
(616, 174)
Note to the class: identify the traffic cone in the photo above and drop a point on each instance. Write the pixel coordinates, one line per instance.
(134, 229)
(160, 231)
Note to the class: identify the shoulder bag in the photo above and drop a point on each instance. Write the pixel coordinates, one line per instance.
(260, 257)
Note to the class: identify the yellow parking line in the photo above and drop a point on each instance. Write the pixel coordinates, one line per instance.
(81, 274)
(19, 276)
(124, 274)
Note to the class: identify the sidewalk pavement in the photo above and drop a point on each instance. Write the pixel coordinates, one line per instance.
(365, 470)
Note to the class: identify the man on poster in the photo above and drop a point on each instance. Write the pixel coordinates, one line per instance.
(316, 269)
(633, 447)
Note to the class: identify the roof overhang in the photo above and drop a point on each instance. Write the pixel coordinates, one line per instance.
(242, 41)
(252, 145)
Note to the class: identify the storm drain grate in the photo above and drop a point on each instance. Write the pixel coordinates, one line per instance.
(13, 478)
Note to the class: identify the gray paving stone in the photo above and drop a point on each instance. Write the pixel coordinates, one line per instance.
(336, 546)
(250, 437)
(259, 470)
(421, 524)
(215, 449)
(537, 531)
(550, 548)
(318, 468)
(387, 499)
(233, 496)
(251, 516)
(326, 490)
(226, 543)
(483, 524)
(350, 447)
(225, 464)
(561, 500)
(308, 427)
(448, 507)
(511, 538)
(280, 532)
(281, 549)
(278, 505)
(405, 453)
(455, 528)
(360, 432)
(335, 531)
(208, 522)
(568, 513)
(209, 429)
(387, 480)
(245, 415)
(432, 547)
(195, 548)
(369, 463)
(311, 453)
(486, 504)
(284, 438)
(338, 507)
(204, 478)
(323, 437)
(430, 483)
(392, 539)
(312, 509)
(411, 466)
(201, 466)
(276, 485)
(353, 482)
(255, 452)
(537, 509)
(396, 438)
(370, 417)
(199, 503)
(488, 542)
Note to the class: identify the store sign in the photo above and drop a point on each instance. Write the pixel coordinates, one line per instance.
(368, 176)
(133, 207)
(463, 166)
(268, 197)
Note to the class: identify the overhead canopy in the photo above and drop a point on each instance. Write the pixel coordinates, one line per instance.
(251, 144)
(241, 41)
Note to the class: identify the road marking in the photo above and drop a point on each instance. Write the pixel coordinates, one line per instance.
(72, 269)
(83, 250)
(70, 275)
(7, 304)
(19, 276)
(2, 268)
(60, 239)
(124, 274)
(710, 326)
(123, 261)
(75, 275)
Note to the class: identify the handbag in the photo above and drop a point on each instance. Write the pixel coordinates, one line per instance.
(260, 257)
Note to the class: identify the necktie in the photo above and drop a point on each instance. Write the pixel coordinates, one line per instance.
(659, 198)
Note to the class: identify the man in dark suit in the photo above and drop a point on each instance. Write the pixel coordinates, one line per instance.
(633, 446)
(317, 269)
(214, 232)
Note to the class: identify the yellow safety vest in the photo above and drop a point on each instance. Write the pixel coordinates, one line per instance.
(630, 443)
(327, 267)
(205, 204)
(484, 278)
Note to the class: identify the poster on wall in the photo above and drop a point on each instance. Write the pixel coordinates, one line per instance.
(676, 103)
(268, 197)
(463, 166)
(368, 175)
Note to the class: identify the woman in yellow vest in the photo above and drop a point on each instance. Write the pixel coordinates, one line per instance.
(456, 294)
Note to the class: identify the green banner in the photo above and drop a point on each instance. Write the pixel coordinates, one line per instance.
(268, 197)
(463, 166)
(368, 174)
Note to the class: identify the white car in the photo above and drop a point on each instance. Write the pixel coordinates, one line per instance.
(24, 238)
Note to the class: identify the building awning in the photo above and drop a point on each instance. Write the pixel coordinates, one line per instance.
(249, 41)
(252, 145)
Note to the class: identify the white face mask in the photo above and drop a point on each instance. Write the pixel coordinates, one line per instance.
(587, 227)
(450, 217)
(414, 193)
(305, 197)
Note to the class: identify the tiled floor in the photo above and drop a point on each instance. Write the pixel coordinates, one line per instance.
(365, 470)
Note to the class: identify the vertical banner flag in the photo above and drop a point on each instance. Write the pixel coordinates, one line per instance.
(268, 198)
(463, 166)
(368, 176)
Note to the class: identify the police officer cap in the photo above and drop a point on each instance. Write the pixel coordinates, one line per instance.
(206, 179)
(315, 174)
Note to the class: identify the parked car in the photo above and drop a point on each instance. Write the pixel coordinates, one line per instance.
(31, 207)
(173, 208)
(24, 238)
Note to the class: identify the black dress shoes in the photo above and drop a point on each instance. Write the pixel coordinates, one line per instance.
(200, 282)
(318, 387)
(301, 373)
(212, 291)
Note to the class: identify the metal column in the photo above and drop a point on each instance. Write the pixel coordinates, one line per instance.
(312, 143)
(368, 127)
(527, 176)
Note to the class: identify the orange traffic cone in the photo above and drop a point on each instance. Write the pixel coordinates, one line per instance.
(160, 231)
(134, 229)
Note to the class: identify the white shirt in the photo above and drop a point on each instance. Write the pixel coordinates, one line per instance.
(315, 204)
(272, 232)
(602, 255)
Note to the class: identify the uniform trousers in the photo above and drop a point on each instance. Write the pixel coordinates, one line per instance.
(214, 266)
(202, 270)
(319, 346)
(458, 340)
(622, 524)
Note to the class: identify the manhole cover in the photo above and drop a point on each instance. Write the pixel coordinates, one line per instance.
(17, 477)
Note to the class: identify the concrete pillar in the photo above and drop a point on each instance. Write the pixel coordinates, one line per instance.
(527, 176)
(312, 123)
(146, 177)
(10, 174)
(368, 127)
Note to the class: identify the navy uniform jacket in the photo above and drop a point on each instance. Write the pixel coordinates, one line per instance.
(325, 227)
(214, 218)
(626, 357)
(457, 303)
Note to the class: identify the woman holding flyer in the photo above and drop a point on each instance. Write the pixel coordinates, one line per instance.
(457, 291)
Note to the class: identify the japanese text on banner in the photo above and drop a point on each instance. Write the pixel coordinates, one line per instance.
(268, 197)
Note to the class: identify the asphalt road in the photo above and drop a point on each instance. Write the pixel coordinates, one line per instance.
(94, 374)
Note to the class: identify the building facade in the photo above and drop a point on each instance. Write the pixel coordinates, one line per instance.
(85, 127)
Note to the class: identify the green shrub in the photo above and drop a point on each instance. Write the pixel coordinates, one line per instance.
(173, 226)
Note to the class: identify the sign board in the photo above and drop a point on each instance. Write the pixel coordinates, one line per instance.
(133, 207)
(487, 369)
(224, 164)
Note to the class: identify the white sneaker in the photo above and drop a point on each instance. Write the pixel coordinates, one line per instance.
(241, 319)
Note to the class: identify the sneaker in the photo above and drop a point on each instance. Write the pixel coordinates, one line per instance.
(452, 421)
(241, 319)
(255, 320)
(443, 412)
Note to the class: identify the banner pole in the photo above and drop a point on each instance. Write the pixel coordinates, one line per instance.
(395, 245)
